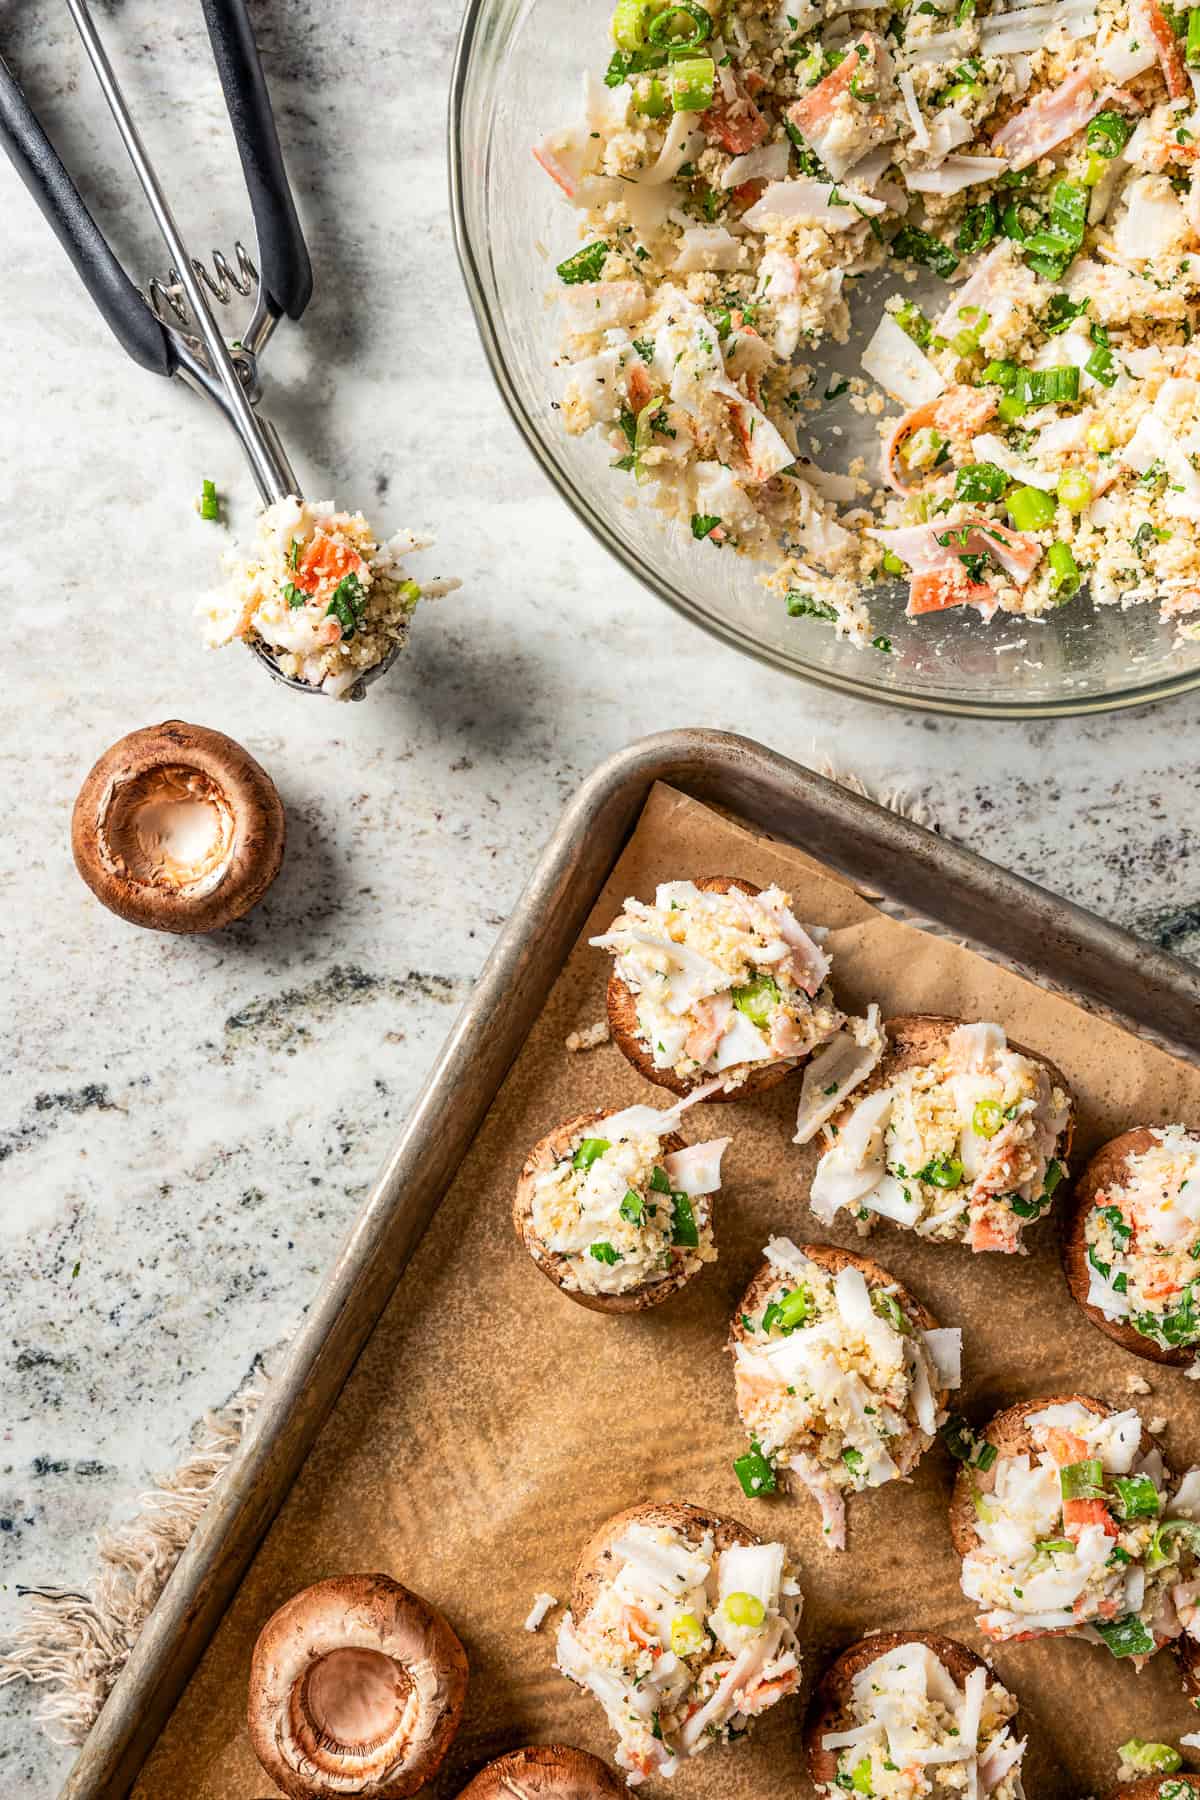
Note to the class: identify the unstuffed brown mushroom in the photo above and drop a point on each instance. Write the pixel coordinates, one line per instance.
(545, 1772)
(356, 1687)
(178, 828)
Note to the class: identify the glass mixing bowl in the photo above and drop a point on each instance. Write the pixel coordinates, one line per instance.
(518, 73)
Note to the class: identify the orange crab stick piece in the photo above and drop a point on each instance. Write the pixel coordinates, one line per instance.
(934, 592)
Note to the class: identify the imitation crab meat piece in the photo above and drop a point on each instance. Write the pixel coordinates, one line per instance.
(815, 114)
(737, 125)
(959, 413)
(1148, 17)
(833, 1508)
(1058, 113)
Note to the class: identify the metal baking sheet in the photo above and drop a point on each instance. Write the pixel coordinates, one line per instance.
(916, 873)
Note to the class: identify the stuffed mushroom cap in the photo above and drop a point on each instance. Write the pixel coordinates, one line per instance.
(915, 1041)
(906, 1450)
(546, 1772)
(356, 1687)
(626, 1030)
(831, 1709)
(583, 1284)
(1108, 1169)
(1011, 1435)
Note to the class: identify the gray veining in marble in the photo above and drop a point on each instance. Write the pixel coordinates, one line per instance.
(187, 1126)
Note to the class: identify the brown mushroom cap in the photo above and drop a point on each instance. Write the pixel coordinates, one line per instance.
(543, 1156)
(1155, 1787)
(829, 1710)
(1011, 1435)
(356, 1687)
(907, 1451)
(1108, 1168)
(546, 1772)
(178, 828)
(626, 1033)
(595, 1565)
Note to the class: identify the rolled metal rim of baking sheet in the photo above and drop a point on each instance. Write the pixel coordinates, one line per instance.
(929, 879)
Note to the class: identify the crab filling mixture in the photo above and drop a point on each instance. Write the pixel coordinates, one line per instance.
(319, 593)
(913, 1733)
(740, 163)
(722, 982)
(684, 1644)
(1079, 1536)
(1143, 1242)
(836, 1384)
(618, 1213)
(961, 1149)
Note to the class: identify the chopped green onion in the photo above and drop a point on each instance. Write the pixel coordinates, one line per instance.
(942, 1172)
(1056, 1546)
(757, 999)
(703, 523)
(987, 1118)
(1030, 509)
(643, 436)
(889, 1308)
(691, 84)
(853, 1459)
(208, 506)
(1125, 1637)
(1047, 387)
(1075, 489)
(860, 1777)
(604, 1253)
(1054, 1174)
(803, 606)
(662, 26)
(293, 595)
(1136, 1497)
(1083, 1480)
(976, 482)
(796, 1307)
(585, 265)
(892, 565)
(922, 247)
(1004, 375)
(1108, 134)
(687, 1635)
(1157, 1758)
(1157, 1552)
(912, 320)
(1100, 366)
(1191, 52)
(650, 99)
(629, 24)
(1064, 570)
(659, 1184)
(744, 1609)
(632, 1206)
(1095, 169)
(684, 1230)
(590, 1151)
(756, 1474)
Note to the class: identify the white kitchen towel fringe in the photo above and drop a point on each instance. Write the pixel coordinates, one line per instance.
(76, 1646)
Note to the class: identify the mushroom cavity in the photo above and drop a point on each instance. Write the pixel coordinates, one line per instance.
(178, 828)
(356, 1687)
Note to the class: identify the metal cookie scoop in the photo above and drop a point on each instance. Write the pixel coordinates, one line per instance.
(173, 332)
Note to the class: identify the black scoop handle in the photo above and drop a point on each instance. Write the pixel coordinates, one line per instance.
(37, 162)
(285, 272)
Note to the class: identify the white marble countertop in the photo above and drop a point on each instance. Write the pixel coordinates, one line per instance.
(188, 1125)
